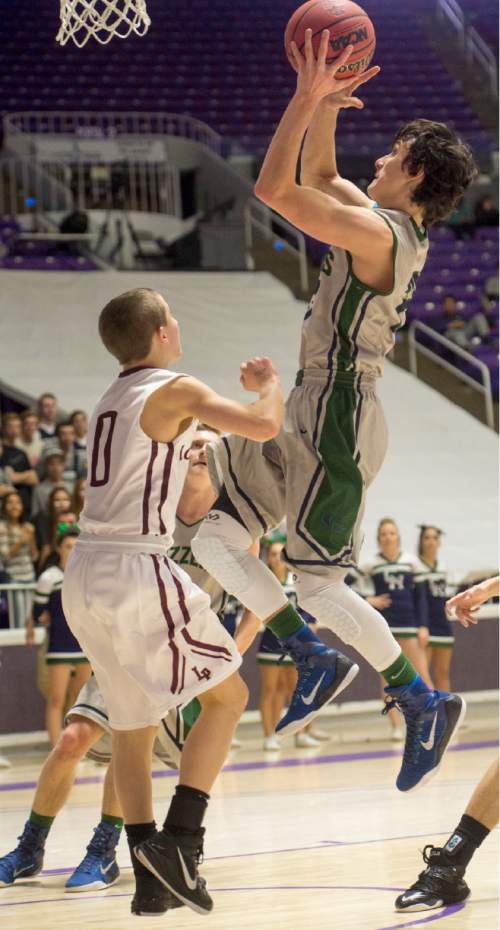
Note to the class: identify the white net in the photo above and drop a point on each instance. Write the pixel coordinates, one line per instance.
(101, 20)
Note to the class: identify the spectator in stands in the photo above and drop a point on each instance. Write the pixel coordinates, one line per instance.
(75, 460)
(45, 522)
(485, 212)
(489, 295)
(30, 440)
(80, 422)
(78, 498)
(53, 464)
(464, 333)
(18, 551)
(15, 462)
(461, 221)
(6, 485)
(48, 415)
(68, 667)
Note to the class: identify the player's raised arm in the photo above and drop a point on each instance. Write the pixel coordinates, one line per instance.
(351, 227)
(261, 420)
(318, 164)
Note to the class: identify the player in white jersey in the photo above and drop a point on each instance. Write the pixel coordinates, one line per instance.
(317, 471)
(88, 732)
(148, 631)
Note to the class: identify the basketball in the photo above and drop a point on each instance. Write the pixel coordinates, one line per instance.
(347, 23)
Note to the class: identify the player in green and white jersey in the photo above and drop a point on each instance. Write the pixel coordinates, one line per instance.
(317, 471)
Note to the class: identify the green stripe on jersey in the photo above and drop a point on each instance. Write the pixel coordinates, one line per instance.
(350, 304)
(335, 508)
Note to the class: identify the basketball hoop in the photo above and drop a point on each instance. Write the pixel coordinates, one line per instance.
(101, 20)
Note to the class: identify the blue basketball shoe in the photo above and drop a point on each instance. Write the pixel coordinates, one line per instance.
(431, 720)
(26, 860)
(99, 868)
(323, 674)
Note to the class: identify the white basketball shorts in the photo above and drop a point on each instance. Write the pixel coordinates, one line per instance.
(149, 633)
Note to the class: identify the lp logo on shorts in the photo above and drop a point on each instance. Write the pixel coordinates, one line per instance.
(204, 675)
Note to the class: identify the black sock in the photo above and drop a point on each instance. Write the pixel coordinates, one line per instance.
(464, 841)
(186, 811)
(136, 833)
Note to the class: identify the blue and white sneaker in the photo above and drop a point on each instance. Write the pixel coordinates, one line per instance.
(99, 868)
(432, 717)
(26, 860)
(323, 674)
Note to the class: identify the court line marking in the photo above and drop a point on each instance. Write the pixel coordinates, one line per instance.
(324, 844)
(446, 912)
(278, 764)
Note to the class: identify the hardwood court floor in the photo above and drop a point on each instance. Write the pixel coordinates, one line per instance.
(305, 840)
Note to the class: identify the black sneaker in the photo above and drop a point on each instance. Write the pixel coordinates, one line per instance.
(151, 898)
(174, 860)
(439, 885)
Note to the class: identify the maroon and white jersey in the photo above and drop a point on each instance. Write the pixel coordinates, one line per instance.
(134, 483)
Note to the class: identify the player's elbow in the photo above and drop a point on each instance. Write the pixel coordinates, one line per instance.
(268, 193)
(265, 428)
(263, 192)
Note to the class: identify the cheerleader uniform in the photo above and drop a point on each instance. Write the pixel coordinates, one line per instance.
(431, 585)
(397, 579)
(63, 647)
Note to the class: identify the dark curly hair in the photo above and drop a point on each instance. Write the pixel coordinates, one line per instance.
(448, 164)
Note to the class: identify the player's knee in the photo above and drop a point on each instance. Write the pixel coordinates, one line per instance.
(231, 696)
(237, 699)
(222, 558)
(327, 605)
(76, 739)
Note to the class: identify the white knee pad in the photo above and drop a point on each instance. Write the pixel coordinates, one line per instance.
(328, 612)
(350, 617)
(221, 546)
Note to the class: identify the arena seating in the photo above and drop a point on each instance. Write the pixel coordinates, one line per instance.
(22, 255)
(198, 59)
(460, 268)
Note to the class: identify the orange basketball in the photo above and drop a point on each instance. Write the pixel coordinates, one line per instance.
(347, 23)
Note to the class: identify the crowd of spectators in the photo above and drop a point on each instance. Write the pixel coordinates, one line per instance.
(465, 220)
(43, 465)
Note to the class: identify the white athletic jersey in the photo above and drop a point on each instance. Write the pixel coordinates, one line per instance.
(349, 326)
(134, 483)
(181, 553)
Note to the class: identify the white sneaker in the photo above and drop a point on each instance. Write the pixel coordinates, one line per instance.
(306, 741)
(397, 735)
(4, 763)
(271, 743)
(317, 733)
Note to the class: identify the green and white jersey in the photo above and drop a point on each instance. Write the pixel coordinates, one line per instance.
(181, 553)
(351, 327)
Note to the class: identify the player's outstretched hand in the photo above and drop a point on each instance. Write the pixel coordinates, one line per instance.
(316, 79)
(257, 373)
(464, 605)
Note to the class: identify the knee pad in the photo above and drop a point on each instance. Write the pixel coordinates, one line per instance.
(220, 546)
(328, 612)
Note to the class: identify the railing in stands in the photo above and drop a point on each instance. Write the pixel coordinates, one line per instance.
(475, 50)
(19, 601)
(259, 216)
(109, 124)
(484, 387)
(479, 53)
(22, 180)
